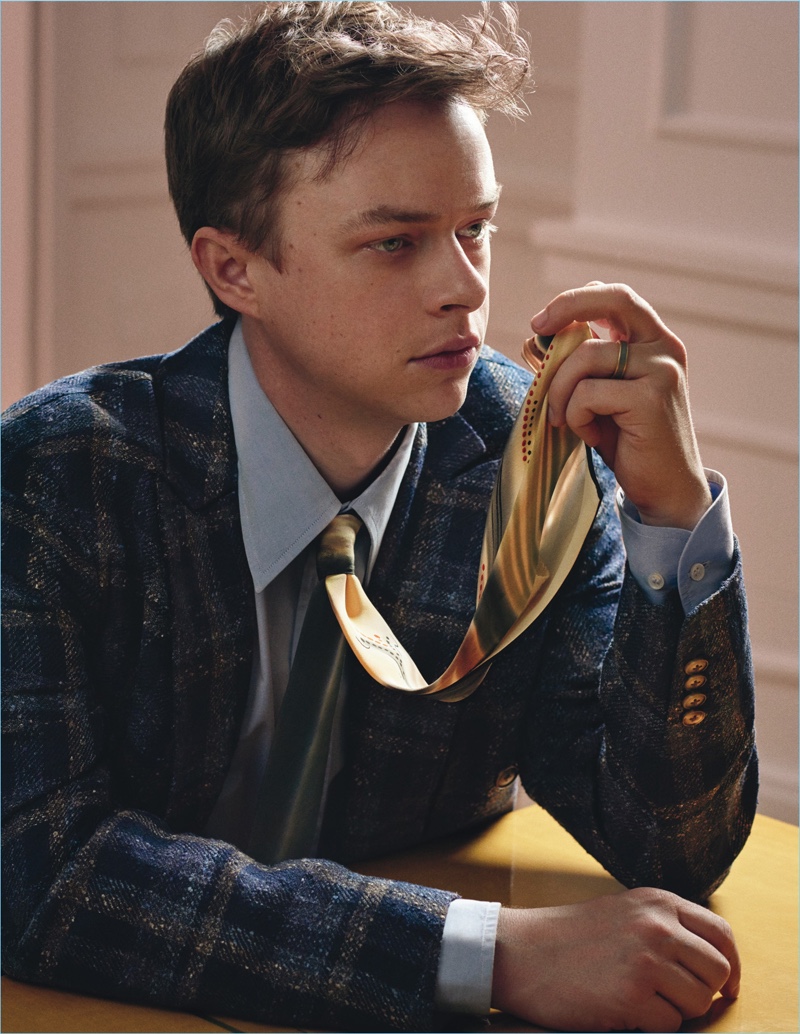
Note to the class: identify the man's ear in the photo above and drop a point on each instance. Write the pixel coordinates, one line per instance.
(227, 268)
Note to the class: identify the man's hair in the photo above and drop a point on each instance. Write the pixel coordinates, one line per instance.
(294, 75)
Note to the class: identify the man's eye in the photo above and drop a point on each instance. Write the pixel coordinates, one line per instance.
(477, 231)
(390, 245)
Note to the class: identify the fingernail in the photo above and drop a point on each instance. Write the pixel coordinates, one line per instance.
(539, 320)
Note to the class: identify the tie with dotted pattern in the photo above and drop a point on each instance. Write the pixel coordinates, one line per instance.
(543, 505)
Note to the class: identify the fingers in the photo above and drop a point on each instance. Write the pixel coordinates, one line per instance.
(616, 306)
(715, 931)
(690, 995)
(705, 961)
(629, 402)
(687, 954)
(615, 360)
(585, 386)
(659, 1015)
(593, 412)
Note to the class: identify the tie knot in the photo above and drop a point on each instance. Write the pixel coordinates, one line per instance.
(336, 550)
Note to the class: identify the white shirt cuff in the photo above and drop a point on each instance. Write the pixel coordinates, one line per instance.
(466, 962)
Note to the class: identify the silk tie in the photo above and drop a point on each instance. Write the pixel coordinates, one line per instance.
(543, 504)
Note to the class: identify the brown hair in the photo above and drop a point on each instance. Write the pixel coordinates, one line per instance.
(296, 74)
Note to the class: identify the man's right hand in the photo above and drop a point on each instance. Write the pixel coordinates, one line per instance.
(643, 959)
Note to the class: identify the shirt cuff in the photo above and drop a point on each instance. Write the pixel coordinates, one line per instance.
(466, 962)
(695, 562)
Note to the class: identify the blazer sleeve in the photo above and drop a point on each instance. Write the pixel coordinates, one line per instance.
(659, 799)
(104, 898)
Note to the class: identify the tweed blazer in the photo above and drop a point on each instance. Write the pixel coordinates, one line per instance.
(128, 639)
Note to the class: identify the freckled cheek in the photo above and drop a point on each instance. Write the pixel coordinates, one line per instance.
(338, 327)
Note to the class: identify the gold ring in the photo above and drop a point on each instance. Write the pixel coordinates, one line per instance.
(622, 362)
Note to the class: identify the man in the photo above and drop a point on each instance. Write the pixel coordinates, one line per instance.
(330, 171)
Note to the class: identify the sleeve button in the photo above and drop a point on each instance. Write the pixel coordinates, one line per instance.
(695, 681)
(696, 665)
(693, 700)
(694, 717)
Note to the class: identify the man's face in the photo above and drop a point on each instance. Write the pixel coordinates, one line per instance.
(381, 302)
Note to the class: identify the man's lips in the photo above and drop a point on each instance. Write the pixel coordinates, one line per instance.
(453, 355)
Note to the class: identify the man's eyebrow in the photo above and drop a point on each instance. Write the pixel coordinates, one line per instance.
(380, 215)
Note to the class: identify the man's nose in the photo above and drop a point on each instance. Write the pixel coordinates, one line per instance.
(457, 281)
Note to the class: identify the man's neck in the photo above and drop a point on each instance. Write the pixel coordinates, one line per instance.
(348, 453)
(349, 462)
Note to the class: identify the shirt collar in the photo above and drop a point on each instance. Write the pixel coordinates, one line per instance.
(283, 499)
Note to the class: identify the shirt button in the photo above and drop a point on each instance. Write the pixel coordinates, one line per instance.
(697, 572)
(693, 700)
(656, 580)
(695, 681)
(694, 717)
(507, 776)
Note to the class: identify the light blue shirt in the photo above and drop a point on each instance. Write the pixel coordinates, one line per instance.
(285, 503)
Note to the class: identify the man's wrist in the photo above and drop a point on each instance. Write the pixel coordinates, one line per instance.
(687, 511)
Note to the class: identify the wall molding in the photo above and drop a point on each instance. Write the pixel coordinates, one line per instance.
(747, 436)
(672, 115)
(704, 128)
(729, 259)
(691, 273)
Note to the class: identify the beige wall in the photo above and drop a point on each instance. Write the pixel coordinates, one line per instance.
(661, 150)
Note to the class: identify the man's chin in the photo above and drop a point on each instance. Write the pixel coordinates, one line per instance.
(446, 403)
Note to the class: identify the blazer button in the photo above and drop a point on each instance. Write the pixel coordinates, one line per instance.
(694, 700)
(696, 665)
(507, 776)
(694, 717)
(695, 681)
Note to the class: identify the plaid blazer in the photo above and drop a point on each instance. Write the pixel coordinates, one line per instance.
(128, 637)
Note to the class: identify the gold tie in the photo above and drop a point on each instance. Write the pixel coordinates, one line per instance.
(543, 505)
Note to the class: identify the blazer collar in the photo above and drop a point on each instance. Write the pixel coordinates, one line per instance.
(191, 387)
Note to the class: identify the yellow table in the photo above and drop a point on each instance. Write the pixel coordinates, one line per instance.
(525, 859)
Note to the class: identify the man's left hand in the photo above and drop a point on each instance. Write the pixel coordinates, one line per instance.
(640, 425)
